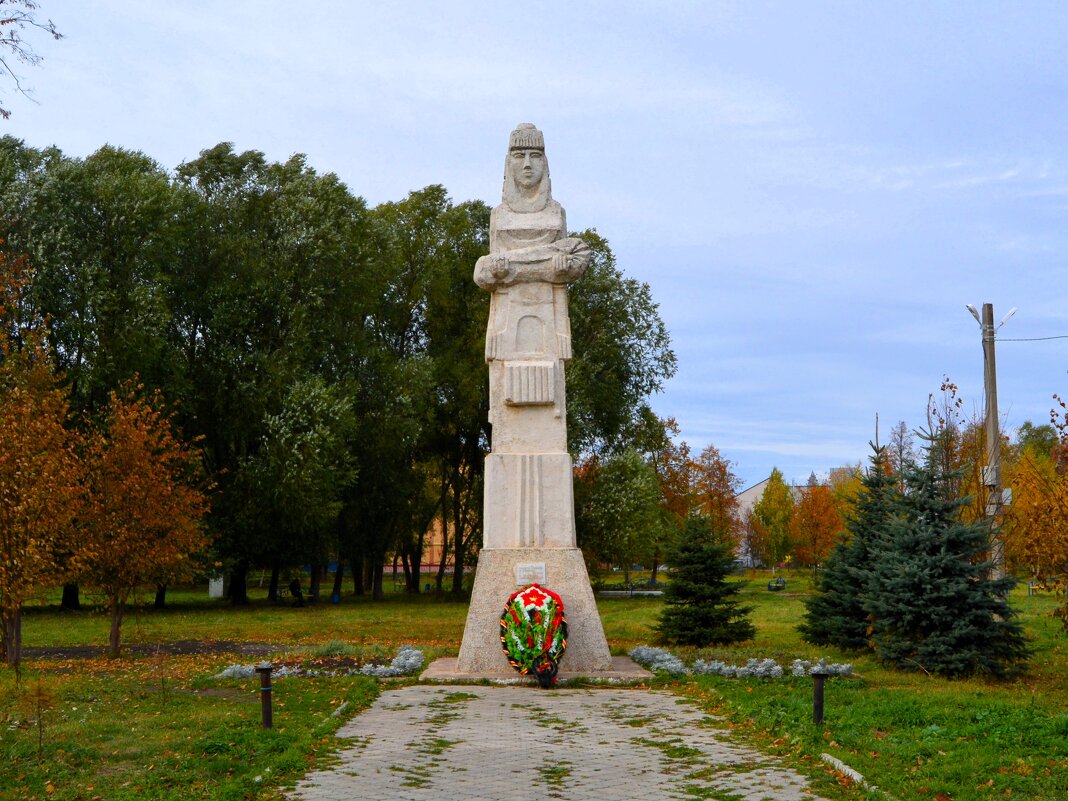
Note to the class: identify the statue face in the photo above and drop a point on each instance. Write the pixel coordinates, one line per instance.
(528, 167)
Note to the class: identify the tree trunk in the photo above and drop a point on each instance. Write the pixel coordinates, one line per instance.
(458, 548)
(439, 580)
(117, 610)
(411, 584)
(369, 570)
(239, 583)
(417, 560)
(316, 580)
(378, 569)
(272, 589)
(339, 574)
(357, 574)
(11, 638)
(70, 600)
(161, 597)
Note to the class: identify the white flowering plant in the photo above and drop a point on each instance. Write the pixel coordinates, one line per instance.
(660, 660)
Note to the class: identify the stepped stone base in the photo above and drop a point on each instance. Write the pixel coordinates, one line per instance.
(623, 671)
(496, 578)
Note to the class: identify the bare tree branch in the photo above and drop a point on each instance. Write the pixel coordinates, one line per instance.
(16, 17)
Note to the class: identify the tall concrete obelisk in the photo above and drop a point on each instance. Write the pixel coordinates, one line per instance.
(528, 509)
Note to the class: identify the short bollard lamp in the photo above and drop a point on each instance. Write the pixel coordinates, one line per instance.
(264, 669)
(819, 677)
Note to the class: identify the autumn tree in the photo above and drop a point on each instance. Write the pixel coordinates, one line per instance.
(814, 525)
(141, 521)
(901, 449)
(39, 488)
(715, 491)
(774, 511)
(846, 483)
(674, 469)
(752, 539)
(1036, 523)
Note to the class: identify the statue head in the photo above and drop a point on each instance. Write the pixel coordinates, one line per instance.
(526, 170)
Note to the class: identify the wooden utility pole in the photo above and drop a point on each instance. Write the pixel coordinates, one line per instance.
(992, 470)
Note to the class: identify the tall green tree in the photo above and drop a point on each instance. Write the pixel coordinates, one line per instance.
(701, 607)
(99, 231)
(837, 615)
(932, 604)
(300, 474)
(622, 356)
(273, 291)
(618, 511)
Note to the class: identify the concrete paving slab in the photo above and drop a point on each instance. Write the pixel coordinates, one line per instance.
(489, 743)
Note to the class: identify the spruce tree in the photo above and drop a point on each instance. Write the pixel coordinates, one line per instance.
(932, 603)
(836, 615)
(701, 606)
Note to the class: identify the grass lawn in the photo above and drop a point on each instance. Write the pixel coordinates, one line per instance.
(154, 726)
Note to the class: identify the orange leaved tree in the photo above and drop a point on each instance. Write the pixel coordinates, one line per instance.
(716, 488)
(39, 488)
(143, 508)
(815, 525)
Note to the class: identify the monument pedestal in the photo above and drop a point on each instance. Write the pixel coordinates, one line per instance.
(502, 571)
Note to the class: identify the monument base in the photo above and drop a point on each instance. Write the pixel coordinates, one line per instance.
(563, 571)
(623, 671)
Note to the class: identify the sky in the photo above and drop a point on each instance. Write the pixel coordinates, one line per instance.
(813, 191)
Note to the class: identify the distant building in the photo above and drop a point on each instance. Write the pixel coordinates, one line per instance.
(747, 499)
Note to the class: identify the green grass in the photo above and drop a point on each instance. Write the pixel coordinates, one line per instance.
(153, 727)
(151, 730)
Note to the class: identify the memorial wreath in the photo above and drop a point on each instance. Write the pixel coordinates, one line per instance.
(534, 632)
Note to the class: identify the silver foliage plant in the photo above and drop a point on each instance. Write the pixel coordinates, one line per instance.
(661, 660)
(755, 668)
(802, 667)
(657, 659)
(408, 660)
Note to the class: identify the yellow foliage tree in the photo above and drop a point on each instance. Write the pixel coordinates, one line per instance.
(1036, 524)
(39, 488)
(143, 509)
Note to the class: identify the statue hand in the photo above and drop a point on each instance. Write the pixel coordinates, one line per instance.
(559, 265)
(499, 267)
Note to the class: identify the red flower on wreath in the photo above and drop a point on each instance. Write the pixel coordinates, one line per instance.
(534, 596)
(533, 632)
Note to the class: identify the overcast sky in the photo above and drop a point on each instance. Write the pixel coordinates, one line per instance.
(812, 190)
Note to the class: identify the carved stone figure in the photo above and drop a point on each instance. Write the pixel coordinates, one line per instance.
(528, 340)
(531, 261)
(528, 510)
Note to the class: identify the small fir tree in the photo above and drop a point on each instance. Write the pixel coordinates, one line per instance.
(701, 606)
(932, 603)
(837, 615)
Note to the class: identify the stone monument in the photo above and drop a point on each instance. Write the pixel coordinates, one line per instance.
(528, 508)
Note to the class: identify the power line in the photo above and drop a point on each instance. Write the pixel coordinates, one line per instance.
(1033, 339)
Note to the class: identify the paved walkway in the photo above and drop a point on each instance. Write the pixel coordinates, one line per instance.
(479, 743)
